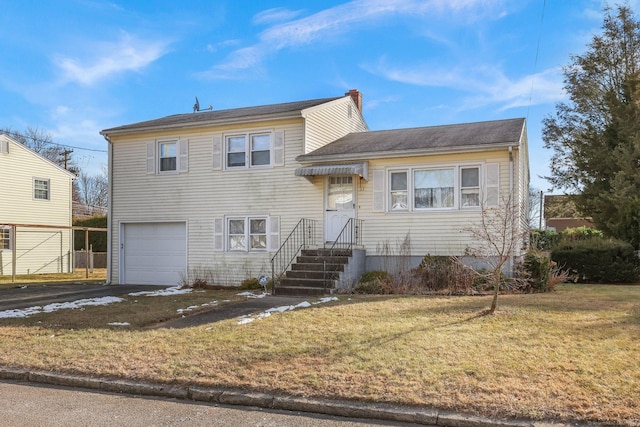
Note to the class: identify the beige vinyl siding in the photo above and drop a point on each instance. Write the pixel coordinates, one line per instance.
(38, 250)
(331, 121)
(202, 195)
(433, 232)
(524, 179)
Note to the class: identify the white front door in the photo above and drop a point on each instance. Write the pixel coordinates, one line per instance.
(340, 205)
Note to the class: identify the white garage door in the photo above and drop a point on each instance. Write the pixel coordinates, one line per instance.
(154, 253)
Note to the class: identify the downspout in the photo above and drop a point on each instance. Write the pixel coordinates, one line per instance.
(109, 207)
(512, 202)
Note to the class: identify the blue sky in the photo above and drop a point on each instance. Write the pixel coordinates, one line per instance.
(75, 67)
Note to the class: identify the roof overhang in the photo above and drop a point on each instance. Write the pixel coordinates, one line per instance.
(373, 155)
(361, 169)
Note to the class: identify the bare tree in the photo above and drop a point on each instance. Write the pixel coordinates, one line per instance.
(42, 143)
(497, 237)
(92, 190)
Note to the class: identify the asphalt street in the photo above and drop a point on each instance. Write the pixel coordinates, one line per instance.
(38, 405)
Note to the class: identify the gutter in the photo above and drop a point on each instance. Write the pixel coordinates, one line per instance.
(109, 205)
(305, 158)
(182, 125)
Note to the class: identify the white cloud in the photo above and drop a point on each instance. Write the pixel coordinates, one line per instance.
(128, 53)
(486, 85)
(345, 18)
(221, 45)
(278, 14)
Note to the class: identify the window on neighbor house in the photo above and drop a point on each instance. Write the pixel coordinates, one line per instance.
(247, 234)
(41, 189)
(5, 238)
(248, 150)
(167, 156)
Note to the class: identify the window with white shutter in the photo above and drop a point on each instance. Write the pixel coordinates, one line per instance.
(183, 159)
(217, 152)
(492, 185)
(378, 191)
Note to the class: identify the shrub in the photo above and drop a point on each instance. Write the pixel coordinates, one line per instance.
(199, 277)
(597, 260)
(580, 233)
(443, 273)
(373, 282)
(251, 283)
(543, 239)
(536, 271)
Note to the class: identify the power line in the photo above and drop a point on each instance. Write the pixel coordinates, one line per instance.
(20, 135)
(535, 64)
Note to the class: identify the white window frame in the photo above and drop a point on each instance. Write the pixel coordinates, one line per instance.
(247, 232)
(6, 231)
(477, 188)
(248, 149)
(457, 187)
(394, 206)
(159, 145)
(454, 203)
(36, 190)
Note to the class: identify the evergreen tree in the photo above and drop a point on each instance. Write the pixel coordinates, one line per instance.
(595, 135)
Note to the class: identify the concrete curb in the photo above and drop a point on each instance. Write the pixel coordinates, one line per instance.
(376, 411)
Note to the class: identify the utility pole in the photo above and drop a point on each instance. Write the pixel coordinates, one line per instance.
(66, 158)
(541, 208)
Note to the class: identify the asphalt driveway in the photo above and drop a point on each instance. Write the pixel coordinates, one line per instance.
(31, 296)
(23, 296)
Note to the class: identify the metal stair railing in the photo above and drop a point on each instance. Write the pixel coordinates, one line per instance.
(350, 236)
(302, 236)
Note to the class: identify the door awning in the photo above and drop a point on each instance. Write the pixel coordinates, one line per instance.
(361, 169)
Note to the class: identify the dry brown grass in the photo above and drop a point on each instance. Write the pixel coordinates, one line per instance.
(568, 355)
(98, 275)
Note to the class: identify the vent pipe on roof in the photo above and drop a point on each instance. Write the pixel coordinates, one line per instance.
(357, 98)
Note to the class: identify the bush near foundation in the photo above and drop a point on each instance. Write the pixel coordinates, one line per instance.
(597, 260)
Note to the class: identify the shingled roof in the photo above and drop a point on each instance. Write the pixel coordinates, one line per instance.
(457, 137)
(206, 118)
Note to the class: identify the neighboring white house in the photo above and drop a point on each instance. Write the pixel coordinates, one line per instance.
(222, 192)
(33, 191)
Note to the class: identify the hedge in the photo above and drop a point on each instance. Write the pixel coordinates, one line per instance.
(97, 239)
(597, 260)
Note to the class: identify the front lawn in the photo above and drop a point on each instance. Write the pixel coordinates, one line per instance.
(568, 355)
(99, 275)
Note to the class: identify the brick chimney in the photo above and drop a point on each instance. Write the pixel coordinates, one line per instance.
(357, 98)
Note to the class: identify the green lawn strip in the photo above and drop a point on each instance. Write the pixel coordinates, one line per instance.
(568, 355)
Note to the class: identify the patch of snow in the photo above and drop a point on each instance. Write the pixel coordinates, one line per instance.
(119, 324)
(304, 304)
(193, 307)
(50, 308)
(174, 290)
(326, 299)
(252, 295)
(245, 320)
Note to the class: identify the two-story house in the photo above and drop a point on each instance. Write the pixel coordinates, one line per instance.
(35, 212)
(229, 191)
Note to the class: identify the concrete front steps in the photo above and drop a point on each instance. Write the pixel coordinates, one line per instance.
(309, 276)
